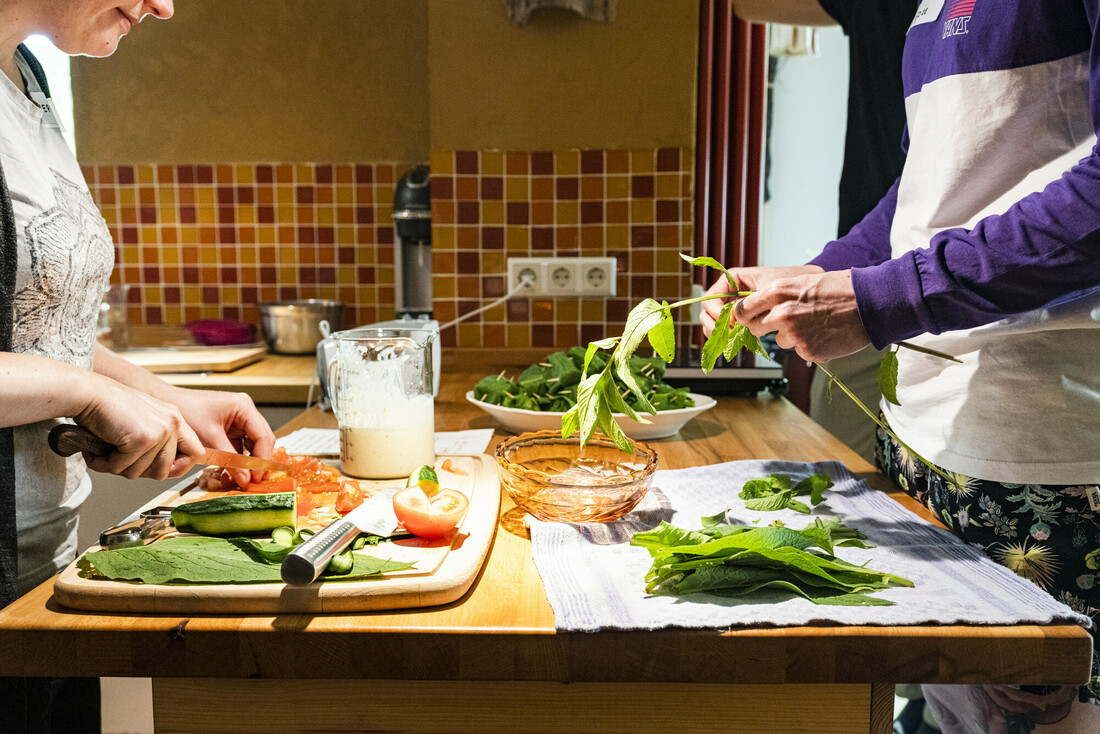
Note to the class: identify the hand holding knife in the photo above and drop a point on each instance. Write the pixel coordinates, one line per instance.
(67, 439)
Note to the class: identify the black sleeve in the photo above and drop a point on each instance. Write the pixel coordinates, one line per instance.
(840, 10)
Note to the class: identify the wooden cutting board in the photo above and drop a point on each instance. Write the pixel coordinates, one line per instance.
(445, 568)
(195, 359)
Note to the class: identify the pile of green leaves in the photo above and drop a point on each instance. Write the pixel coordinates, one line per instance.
(738, 560)
(206, 560)
(552, 385)
(776, 493)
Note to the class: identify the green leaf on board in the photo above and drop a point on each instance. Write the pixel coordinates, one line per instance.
(888, 376)
(775, 492)
(203, 560)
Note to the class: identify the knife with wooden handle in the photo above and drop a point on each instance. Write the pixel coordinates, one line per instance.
(67, 439)
(375, 516)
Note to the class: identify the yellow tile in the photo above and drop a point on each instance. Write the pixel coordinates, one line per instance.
(285, 195)
(110, 217)
(567, 162)
(246, 214)
(287, 256)
(667, 185)
(170, 255)
(642, 211)
(517, 239)
(208, 255)
(384, 275)
(643, 161)
(211, 310)
(492, 261)
(265, 235)
(442, 162)
(568, 310)
(517, 189)
(173, 315)
(303, 173)
(492, 212)
(443, 237)
(443, 287)
(669, 261)
(206, 215)
(469, 335)
(494, 315)
(345, 195)
(617, 236)
(518, 335)
(166, 197)
(127, 196)
(593, 310)
(567, 212)
(248, 256)
(246, 173)
(204, 195)
(287, 275)
(492, 163)
(144, 174)
(284, 215)
(346, 236)
(346, 276)
(189, 236)
(618, 187)
(130, 255)
(153, 294)
(326, 216)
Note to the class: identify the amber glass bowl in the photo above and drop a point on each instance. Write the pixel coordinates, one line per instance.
(557, 479)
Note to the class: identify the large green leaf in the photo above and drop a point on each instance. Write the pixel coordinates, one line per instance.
(202, 560)
(718, 340)
(888, 376)
(662, 336)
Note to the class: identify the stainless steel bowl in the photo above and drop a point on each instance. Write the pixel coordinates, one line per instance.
(294, 327)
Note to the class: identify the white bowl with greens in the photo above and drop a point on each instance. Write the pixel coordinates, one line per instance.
(537, 398)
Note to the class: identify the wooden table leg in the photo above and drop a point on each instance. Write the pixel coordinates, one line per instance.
(216, 706)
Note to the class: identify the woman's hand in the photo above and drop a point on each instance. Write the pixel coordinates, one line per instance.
(750, 279)
(227, 421)
(151, 437)
(814, 314)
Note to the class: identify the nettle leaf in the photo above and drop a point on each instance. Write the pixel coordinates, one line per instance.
(710, 262)
(888, 376)
(815, 486)
(571, 421)
(663, 336)
(619, 405)
(639, 321)
(718, 340)
(626, 375)
(742, 338)
(588, 404)
(594, 347)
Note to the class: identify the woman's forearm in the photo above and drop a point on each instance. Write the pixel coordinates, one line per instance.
(119, 369)
(36, 388)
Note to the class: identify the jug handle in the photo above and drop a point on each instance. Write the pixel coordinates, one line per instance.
(332, 372)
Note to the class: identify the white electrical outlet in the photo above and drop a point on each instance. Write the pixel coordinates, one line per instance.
(563, 276)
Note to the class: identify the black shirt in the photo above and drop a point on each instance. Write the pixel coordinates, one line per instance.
(873, 156)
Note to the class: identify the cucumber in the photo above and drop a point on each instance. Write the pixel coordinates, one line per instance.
(283, 535)
(341, 563)
(302, 536)
(239, 514)
(425, 478)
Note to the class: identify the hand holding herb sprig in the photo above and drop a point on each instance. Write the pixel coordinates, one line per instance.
(597, 397)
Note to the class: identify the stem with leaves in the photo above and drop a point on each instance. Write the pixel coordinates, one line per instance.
(598, 396)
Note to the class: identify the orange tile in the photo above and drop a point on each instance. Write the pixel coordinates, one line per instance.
(617, 161)
(517, 163)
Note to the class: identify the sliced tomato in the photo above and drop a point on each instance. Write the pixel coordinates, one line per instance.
(449, 466)
(276, 484)
(351, 496)
(429, 517)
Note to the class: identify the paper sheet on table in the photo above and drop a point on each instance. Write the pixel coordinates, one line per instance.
(326, 441)
(594, 578)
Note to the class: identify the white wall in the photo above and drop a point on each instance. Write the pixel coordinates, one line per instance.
(809, 114)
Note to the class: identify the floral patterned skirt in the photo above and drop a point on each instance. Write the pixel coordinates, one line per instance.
(1048, 534)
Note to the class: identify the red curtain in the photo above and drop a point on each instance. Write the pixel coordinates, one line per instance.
(729, 146)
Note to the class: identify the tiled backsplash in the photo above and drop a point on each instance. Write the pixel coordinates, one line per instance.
(212, 241)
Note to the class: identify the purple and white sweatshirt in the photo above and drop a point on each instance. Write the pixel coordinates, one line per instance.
(988, 246)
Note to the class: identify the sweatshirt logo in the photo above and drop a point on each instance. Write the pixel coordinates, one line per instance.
(957, 22)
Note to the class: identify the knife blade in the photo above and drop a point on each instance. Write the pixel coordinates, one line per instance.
(374, 515)
(67, 439)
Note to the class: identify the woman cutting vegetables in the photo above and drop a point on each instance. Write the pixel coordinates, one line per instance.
(56, 256)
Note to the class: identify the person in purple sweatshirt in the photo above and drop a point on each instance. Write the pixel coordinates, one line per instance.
(986, 248)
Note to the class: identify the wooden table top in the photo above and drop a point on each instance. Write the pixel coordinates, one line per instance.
(503, 628)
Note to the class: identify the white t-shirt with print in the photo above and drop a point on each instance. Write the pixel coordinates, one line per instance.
(65, 257)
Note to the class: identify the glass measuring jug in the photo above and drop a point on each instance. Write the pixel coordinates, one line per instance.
(380, 384)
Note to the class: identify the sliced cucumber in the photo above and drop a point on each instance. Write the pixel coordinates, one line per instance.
(283, 535)
(425, 478)
(302, 536)
(341, 563)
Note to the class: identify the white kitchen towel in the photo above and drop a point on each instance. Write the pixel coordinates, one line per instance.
(326, 441)
(594, 578)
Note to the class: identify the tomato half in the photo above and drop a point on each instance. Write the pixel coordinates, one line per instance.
(429, 517)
